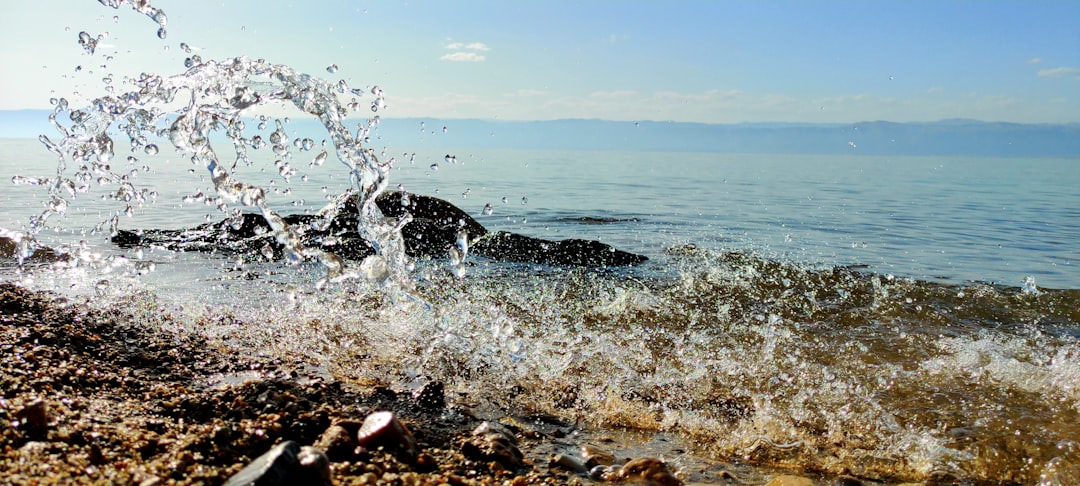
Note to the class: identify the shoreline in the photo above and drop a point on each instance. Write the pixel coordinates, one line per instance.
(89, 398)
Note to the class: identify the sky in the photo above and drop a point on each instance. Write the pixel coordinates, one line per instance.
(694, 61)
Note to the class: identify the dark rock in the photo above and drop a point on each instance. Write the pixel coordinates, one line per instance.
(34, 417)
(285, 464)
(431, 397)
(432, 232)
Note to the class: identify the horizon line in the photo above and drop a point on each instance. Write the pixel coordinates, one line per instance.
(306, 116)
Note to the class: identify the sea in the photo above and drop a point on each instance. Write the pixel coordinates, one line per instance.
(892, 318)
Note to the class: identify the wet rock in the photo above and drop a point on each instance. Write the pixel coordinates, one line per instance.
(314, 461)
(432, 232)
(338, 443)
(431, 397)
(567, 462)
(598, 473)
(595, 456)
(649, 470)
(8, 247)
(285, 464)
(490, 443)
(789, 480)
(383, 429)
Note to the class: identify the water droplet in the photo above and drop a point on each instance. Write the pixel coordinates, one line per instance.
(524, 199)
(332, 68)
(307, 144)
(434, 167)
(184, 47)
(319, 159)
(150, 149)
(444, 129)
(88, 43)
(488, 210)
(505, 200)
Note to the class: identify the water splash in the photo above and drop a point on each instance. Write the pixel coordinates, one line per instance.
(144, 7)
(189, 109)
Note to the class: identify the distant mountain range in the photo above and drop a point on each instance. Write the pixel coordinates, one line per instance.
(946, 137)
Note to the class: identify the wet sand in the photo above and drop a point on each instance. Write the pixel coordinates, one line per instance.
(88, 398)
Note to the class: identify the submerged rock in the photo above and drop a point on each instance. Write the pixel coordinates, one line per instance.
(489, 443)
(648, 470)
(595, 456)
(432, 233)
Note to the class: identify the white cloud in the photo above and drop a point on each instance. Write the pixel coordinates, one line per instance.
(1060, 71)
(462, 56)
(1035, 60)
(474, 46)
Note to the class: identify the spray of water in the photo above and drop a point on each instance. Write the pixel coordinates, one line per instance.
(192, 108)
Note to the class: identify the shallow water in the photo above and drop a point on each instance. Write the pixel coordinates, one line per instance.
(892, 318)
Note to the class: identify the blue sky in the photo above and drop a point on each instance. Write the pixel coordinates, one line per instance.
(716, 62)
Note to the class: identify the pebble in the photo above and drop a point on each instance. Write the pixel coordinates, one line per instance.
(383, 429)
(338, 443)
(595, 456)
(646, 469)
(489, 443)
(597, 473)
(34, 416)
(567, 462)
(285, 464)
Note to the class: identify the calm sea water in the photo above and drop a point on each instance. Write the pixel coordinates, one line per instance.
(949, 219)
(832, 314)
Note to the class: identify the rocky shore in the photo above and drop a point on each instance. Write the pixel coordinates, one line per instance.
(87, 398)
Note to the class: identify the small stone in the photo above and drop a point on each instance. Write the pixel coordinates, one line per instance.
(431, 397)
(489, 443)
(315, 462)
(647, 469)
(34, 416)
(383, 429)
(282, 465)
(597, 472)
(567, 462)
(595, 456)
(789, 480)
(337, 442)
